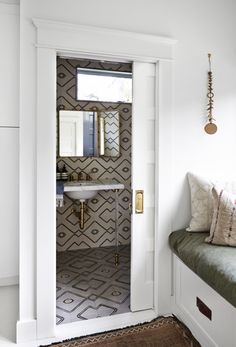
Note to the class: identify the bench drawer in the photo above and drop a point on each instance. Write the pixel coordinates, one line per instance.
(204, 306)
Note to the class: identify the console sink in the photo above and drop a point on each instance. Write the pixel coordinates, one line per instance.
(83, 190)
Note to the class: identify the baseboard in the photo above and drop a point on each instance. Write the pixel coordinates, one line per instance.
(9, 281)
(26, 331)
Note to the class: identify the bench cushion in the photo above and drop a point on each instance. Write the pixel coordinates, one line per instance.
(216, 265)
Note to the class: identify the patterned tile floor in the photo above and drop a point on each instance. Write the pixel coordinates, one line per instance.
(89, 285)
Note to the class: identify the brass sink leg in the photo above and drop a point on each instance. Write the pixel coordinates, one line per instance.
(81, 214)
(117, 259)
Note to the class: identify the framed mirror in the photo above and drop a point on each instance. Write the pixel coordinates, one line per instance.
(89, 133)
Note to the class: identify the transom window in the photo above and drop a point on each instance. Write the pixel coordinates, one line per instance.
(104, 85)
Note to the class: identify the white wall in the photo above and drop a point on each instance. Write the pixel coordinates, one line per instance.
(9, 142)
(200, 27)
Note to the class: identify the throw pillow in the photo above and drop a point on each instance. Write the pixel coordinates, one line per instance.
(201, 203)
(202, 200)
(223, 226)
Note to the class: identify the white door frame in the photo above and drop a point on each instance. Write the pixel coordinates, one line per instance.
(55, 38)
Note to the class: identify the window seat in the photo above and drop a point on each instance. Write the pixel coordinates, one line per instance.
(215, 265)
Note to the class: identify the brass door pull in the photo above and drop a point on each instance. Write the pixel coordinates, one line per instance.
(139, 201)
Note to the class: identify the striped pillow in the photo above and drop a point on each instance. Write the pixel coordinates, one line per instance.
(223, 226)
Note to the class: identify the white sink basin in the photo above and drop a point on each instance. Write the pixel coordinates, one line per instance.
(83, 190)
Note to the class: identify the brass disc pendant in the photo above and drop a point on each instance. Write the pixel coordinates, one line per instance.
(210, 128)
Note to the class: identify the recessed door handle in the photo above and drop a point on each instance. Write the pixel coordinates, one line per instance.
(139, 201)
(203, 308)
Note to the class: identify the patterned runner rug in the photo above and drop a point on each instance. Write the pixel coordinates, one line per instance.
(162, 332)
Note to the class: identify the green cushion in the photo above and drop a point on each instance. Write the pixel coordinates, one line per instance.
(216, 265)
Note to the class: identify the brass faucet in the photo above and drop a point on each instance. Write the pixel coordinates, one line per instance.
(71, 177)
(88, 177)
(80, 176)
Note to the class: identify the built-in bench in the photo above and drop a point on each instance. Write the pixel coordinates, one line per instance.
(205, 288)
(215, 265)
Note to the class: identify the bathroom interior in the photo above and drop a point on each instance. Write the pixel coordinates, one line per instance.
(94, 230)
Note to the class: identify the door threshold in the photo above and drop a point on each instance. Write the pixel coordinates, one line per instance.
(102, 324)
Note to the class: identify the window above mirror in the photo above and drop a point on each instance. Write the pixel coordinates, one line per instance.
(104, 85)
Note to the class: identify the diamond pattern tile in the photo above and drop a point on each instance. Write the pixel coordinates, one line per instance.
(100, 215)
(69, 301)
(89, 285)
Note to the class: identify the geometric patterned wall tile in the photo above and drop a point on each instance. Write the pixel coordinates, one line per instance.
(111, 133)
(99, 227)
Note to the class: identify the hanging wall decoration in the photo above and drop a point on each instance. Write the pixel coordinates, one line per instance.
(210, 127)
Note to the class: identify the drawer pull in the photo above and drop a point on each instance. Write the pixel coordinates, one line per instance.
(203, 308)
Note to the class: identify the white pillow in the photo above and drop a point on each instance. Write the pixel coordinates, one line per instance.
(202, 200)
(201, 203)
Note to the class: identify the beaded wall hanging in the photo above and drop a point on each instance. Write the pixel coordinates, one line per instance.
(210, 127)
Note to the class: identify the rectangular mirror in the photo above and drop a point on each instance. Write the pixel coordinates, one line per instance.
(89, 134)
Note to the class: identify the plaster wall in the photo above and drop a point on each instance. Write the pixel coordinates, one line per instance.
(9, 143)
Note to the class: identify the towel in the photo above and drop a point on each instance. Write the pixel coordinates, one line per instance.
(60, 187)
(60, 194)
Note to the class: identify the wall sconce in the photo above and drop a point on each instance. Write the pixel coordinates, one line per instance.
(101, 136)
(210, 127)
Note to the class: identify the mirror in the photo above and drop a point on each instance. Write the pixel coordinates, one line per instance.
(89, 134)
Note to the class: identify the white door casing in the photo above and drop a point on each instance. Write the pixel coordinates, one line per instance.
(74, 40)
(143, 170)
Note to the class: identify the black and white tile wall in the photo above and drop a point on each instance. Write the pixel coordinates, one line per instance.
(99, 227)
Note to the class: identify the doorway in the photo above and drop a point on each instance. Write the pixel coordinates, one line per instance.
(61, 38)
(93, 260)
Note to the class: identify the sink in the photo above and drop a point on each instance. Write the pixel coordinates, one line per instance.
(83, 190)
(80, 190)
